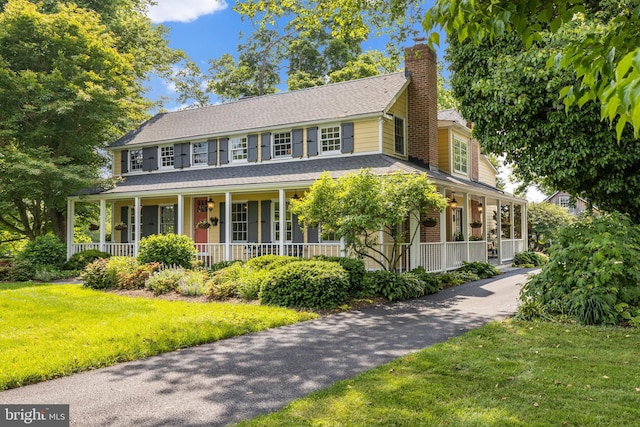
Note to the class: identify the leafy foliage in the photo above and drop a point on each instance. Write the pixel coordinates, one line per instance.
(544, 222)
(168, 249)
(137, 278)
(505, 89)
(193, 283)
(604, 59)
(79, 260)
(360, 204)
(593, 274)
(22, 270)
(530, 259)
(108, 273)
(270, 262)
(354, 268)
(306, 284)
(45, 250)
(483, 270)
(401, 286)
(165, 281)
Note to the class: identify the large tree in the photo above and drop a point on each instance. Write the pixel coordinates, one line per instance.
(68, 85)
(505, 89)
(361, 207)
(605, 60)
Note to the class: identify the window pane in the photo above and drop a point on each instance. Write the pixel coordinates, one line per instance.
(135, 160)
(330, 139)
(399, 135)
(459, 156)
(199, 153)
(166, 156)
(282, 144)
(239, 223)
(239, 148)
(288, 223)
(167, 216)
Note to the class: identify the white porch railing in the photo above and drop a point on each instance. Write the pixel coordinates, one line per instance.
(456, 253)
(508, 249)
(478, 251)
(431, 256)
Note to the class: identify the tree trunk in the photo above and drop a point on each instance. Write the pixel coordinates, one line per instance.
(58, 224)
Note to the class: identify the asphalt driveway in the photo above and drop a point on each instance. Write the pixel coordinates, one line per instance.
(239, 378)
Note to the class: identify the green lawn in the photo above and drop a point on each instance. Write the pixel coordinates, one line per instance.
(504, 374)
(47, 331)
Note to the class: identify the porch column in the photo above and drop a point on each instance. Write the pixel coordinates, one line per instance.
(70, 220)
(525, 226)
(512, 222)
(485, 224)
(227, 226)
(282, 215)
(414, 252)
(443, 233)
(499, 230)
(103, 224)
(465, 221)
(136, 225)
(180, 213)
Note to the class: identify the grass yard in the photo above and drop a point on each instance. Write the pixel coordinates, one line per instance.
(47, 331)
(504, 374)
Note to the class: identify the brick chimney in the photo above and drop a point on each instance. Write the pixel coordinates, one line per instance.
(421, 65)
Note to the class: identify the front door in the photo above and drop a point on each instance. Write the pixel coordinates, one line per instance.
(201, 235)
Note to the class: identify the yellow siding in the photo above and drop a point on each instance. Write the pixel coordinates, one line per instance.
(117, 166)
(486, 174)
(399, 109)
(365, 136)
(444, 150)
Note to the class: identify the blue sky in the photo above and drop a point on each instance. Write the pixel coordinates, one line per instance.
(206, 29)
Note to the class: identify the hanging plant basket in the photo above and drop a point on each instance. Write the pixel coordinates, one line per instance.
(430, 222)
(203, 224)
(94, 227)
(120, 226)
(476, 224)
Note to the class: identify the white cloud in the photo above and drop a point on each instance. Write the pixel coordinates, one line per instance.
(183, 10)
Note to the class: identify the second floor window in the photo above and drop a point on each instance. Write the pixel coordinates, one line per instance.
(239, 222)
(330, 139)
(398, 134)
(135, 160)
(199, 154)
(563, 201)
(238, 148)
(166, 156)
(281, 144)
(460, 163)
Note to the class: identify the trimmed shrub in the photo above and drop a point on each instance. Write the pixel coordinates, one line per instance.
(223, 264)
(270, 262)
(483, 270)
(250, 282)
(44, 250)
(97, 275)
(193, 283)
(432, 284)
(165, 281)
(306, 284)
(167, 249)
(530, 259)
(79, 261)
(354, 268)
(448, 280)
(224, 283)
(593, 274)
(400, 286)
(5, 269)
(22, 270)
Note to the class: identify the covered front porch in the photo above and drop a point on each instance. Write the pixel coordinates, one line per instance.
(478, 225)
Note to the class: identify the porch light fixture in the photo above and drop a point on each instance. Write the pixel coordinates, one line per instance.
(480, 208)
(211, 204)
(453, 203)
(295, 196)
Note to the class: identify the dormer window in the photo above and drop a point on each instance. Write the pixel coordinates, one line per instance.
(238, 149)
(330, 139)
(282, 144)
(135, 160)
(460, 161)
(166, 157)
(398, 135)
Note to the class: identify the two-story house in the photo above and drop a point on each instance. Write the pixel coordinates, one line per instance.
(563, 199)
(224, 174)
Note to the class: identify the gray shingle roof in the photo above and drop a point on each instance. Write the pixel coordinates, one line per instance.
(331, 102)
(451, 115)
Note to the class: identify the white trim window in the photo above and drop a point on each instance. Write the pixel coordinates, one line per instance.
(563, 201)
(460, 156)
(282, 144)
(167, 219)
(131, 229)
(135, 160)
(239, 222)
(328, 235)
(330, 139)
(238, 149)
(288, 222)
(166, 157)
(399, 139)
(199, 153)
